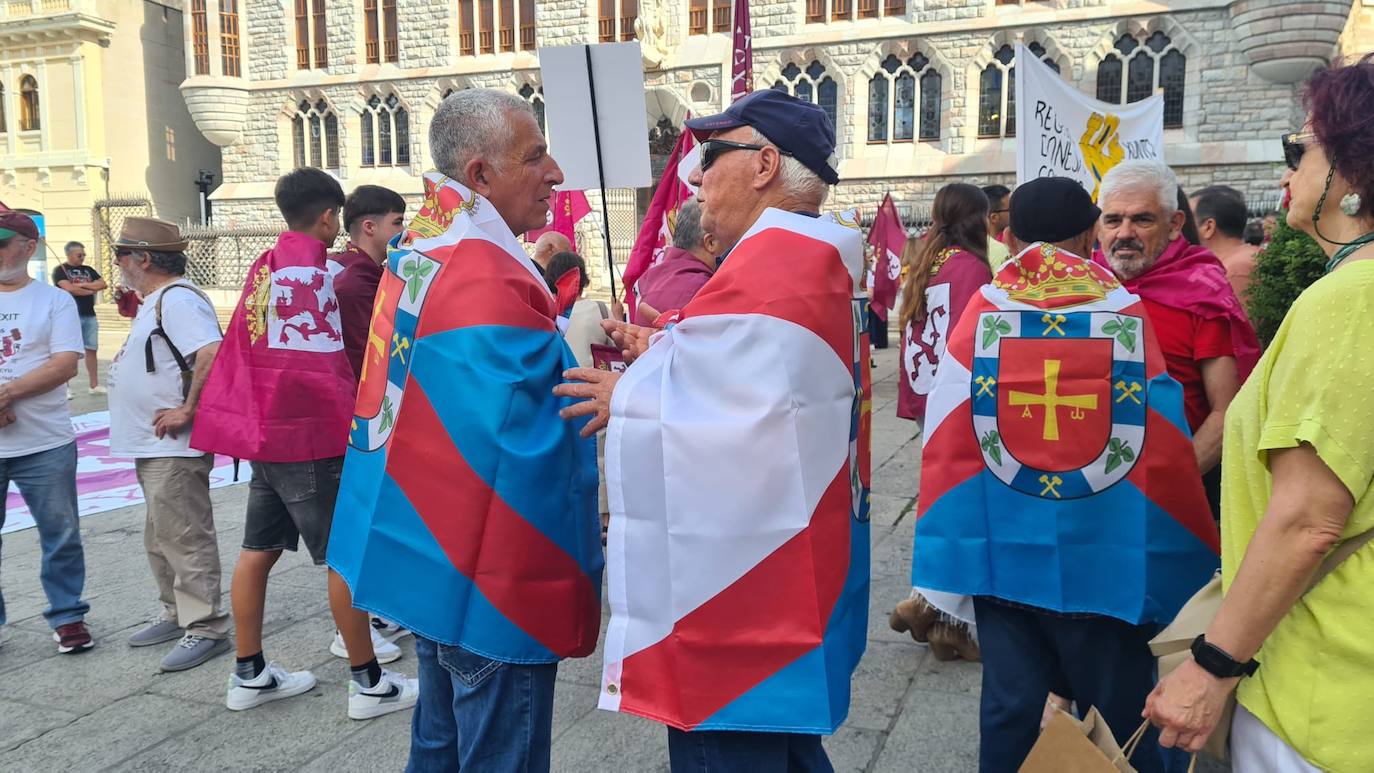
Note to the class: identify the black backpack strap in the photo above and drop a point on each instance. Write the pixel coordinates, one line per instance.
(183, 364)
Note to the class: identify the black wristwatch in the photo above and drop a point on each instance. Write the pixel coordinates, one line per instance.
(1217, 662)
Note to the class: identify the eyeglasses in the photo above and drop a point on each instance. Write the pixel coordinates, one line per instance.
(1294, 145)
(712, 149)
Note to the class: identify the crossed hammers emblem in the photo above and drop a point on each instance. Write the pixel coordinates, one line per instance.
(1052, 323)
(985, 385)
(1052, 484)
(399, 346)
(1128, 391)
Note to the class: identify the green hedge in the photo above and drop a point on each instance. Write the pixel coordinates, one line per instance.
(1285, 268)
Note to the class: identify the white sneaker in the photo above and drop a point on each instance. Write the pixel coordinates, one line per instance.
(383, 650)
(393, 692)
(99, 390)
(389, 630)
(274, 683)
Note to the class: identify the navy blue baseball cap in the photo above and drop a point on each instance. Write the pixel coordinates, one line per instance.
(794, 125)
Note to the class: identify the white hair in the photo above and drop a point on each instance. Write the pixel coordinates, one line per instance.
(1142, 174)
(797, 179)
(471, 123)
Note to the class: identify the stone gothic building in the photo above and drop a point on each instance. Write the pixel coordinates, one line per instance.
(920, 90)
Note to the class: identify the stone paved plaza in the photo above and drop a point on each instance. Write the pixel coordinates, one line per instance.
(109, 708)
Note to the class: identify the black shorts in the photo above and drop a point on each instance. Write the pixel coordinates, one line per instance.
(288, 501)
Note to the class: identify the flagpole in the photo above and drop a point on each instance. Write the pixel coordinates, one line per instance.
(600, 173)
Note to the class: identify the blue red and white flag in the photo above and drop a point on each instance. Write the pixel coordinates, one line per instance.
(467, 510)
(736, 465)
(1057, 468)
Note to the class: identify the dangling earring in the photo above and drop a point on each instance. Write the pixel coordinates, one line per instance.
(1350, 204)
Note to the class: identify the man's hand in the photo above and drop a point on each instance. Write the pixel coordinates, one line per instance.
(632, 340)
(6, 398)
(1186, 706)
(170, 421)
(596, 387)
(7, 417)
(617, 309)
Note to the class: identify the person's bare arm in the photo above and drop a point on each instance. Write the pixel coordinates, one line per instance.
(1221, 380)
(1307, 512)
(76, 289)
(169, 421)
(58, 370)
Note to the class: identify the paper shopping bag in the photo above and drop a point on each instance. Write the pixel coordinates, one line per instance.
(1067, 745)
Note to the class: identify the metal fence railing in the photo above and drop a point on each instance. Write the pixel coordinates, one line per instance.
(218, 258)
(107, 219)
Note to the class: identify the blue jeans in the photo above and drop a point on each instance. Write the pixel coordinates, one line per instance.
(47, 481)
(479, 714)
(731, 751)
(1028, 652)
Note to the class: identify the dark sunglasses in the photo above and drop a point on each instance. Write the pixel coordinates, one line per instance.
(1294, 145)
(711, 150)
(124, 252)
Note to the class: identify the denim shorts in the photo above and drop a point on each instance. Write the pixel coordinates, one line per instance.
(290, 501)
(90, 333)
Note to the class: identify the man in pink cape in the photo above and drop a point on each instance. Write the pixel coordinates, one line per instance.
(1209, 346)
(280, 395)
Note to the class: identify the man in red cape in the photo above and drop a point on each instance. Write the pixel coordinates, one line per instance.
(280, 395)
(1209, 346)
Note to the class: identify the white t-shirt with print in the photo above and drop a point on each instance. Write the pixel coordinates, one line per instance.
(137, 395)
(36, 322)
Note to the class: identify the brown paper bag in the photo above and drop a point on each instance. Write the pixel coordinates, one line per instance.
(1067, 745)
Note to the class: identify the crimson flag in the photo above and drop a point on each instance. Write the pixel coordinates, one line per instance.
(888, 238)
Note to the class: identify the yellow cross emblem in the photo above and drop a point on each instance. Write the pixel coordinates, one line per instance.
(1052, 401)
(375, 343)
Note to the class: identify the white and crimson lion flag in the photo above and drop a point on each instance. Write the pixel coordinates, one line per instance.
(737, 469)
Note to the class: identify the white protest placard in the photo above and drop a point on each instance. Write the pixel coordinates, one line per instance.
(1061, 132)
(617, 73)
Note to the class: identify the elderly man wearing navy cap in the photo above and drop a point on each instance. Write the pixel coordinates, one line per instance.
(40, 344)
(738, 580)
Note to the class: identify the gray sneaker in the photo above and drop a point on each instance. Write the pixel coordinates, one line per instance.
(191, 651)
(156, 633)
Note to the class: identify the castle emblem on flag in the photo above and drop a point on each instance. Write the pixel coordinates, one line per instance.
(1059, 400)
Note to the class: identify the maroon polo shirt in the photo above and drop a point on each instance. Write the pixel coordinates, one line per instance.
(355, 284)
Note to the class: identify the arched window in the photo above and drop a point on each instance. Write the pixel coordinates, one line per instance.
(997, 91)
(28, 104)
(1139, 66)
(315, 135)
(536, 100)
(814, 86)
(893, 95)
(385, 132)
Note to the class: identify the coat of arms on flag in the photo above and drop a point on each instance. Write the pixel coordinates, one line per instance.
(461, 478)
(1057, 467)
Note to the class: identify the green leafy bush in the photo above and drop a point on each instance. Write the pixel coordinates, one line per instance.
(1285, 268)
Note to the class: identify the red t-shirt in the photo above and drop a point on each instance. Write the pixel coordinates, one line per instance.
(1186, 339)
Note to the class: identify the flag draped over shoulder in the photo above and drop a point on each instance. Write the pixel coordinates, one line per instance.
(737, 469)
(467, 510)
(888, 238)
(656, 233)
(1057, 468)
(281, 388)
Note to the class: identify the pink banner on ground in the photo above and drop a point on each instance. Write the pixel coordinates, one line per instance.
(104, 482)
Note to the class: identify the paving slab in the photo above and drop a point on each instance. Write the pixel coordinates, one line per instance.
(123, 728)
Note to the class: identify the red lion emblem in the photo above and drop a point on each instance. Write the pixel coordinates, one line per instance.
(304, 299)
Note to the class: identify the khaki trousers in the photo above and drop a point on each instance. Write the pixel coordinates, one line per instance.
(180, 538)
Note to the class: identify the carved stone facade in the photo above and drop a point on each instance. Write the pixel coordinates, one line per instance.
(1238, 93)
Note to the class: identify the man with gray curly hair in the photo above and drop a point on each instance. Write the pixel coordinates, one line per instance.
(155, 384)
(687, 263)
(1208, 343)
